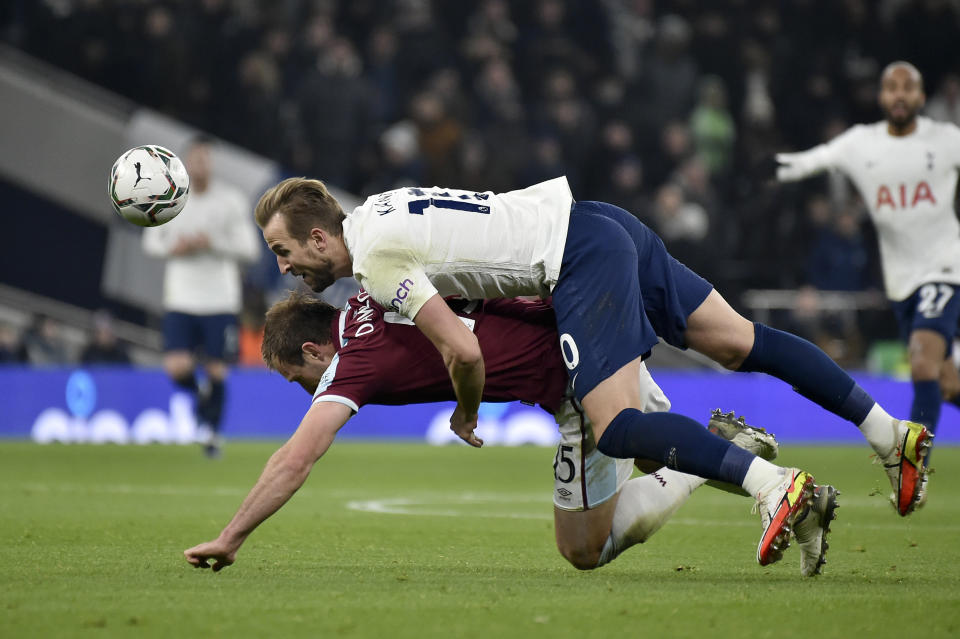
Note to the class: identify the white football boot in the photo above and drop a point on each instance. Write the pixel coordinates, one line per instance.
(811, 528)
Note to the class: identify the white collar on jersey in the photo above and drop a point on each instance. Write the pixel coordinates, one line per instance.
(340, 326)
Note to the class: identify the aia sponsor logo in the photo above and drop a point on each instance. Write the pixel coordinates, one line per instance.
(902, 196)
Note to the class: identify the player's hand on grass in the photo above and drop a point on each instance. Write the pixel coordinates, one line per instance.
(222, 553)
(464, 426)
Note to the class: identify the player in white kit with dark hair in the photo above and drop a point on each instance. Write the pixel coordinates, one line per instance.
(905, 168)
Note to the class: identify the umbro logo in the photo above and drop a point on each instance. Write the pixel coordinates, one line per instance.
(564, 492)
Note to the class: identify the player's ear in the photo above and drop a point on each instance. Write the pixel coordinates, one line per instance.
(310, 351)
(319, 237)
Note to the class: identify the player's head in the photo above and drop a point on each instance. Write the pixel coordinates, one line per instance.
(297, 340)
(303, 224)
(901, 93)
(197, 161)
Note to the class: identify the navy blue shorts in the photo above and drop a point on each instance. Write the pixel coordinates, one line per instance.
(214, 335)
(618, 291)
(934, 306)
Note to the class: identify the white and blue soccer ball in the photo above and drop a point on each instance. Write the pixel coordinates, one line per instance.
(148, 185)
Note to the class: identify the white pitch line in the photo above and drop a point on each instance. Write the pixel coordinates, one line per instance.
(438, 504)
(409, 506)
(424, 506)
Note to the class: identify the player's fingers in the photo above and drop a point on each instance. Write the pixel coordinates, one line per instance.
(190, 557)
(784, 158)
(222, 563)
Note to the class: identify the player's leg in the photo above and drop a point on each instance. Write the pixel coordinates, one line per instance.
(598, 510)
(603, 333)
(686, 311)
(930, 314)
(927, 350)
(928, 320)
(219, 338)
(644, 504)
(594, 526)
(718, 331)
(179, 341)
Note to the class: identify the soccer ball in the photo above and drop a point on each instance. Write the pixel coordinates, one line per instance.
(148, 185)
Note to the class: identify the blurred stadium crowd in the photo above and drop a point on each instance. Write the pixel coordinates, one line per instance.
(672, 109)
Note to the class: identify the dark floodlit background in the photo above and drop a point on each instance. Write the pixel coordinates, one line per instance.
(670, 109)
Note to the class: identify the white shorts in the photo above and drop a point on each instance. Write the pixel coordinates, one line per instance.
(583, 476)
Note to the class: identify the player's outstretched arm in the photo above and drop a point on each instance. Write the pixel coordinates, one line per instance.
(464, 360)
(830, 155)
(286, 471)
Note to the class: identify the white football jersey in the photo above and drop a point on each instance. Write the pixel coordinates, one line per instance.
(412, 243)
(206, 282)
(909, 184)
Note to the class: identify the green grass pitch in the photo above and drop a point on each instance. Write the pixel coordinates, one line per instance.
(412, 541)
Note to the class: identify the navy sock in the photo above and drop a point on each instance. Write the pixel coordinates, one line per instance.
(210, 404)
(809, 371)
(679, 442)
(926, 404)
(187, 382)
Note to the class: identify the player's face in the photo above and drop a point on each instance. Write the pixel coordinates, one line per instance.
(307, 375)
(303, 259)
(901, 96)
(197, 162)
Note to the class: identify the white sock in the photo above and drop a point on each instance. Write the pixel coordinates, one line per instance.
(879, 428)
(644, 506)
(761, 475)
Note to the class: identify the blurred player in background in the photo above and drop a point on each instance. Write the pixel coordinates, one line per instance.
(615, 290)
(905, 168)
(204, 248)
(364, 354)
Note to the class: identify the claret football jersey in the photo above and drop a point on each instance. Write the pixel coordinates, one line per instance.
(411, 243)
(383, 358)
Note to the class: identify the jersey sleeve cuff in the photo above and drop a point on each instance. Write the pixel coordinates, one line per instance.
(340, 399)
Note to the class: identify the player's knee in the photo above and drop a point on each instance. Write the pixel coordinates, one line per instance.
(216, 370)
(923, 367)
(922, 371)
(732, 360)
(178, 365)
(580, 557)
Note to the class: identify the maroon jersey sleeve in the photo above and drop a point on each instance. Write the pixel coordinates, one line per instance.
(383, 358)
(529, 311)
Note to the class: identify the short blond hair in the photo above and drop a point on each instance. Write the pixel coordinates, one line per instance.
(305, 204)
